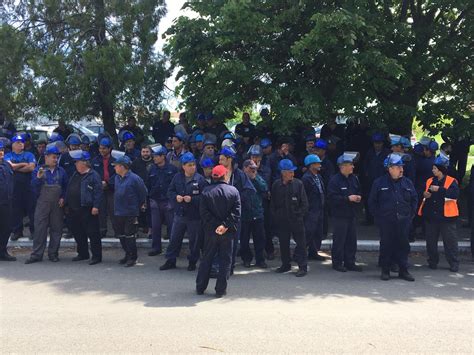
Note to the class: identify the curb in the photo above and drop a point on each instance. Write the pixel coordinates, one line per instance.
(362, 245)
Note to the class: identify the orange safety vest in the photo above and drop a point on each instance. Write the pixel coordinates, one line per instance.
(450, 206)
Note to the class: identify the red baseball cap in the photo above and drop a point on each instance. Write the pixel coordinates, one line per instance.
(218, 171)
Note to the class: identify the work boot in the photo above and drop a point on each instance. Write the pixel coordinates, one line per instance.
(79, 258)
(302, 271)
(385, 275)
(339, 268)
(405, 275)
(131, 262)
(354, 267)
(168, 265)
(154, 252)
(283, 268)
(31, 260)
(95, 261)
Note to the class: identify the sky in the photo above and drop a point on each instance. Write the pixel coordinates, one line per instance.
(173, 11)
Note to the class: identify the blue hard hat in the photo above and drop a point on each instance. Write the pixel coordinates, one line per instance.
(311, 159)
(159, 150)
(127, 136)
(433, 146)
(378, 137)
(442, 161)
(73, 140)
(123, 160)
(18, 138)
(85, 140)
(405, 142)
(199, 138)
(1, 145)
(52, 149)
(180, 136)
(209, 142)
(79, 155)
(56, 137)
(321, 144)
(207, 163)
(395, 140)
(286, 164)
(255, 150)
(106, 142)
(393, 160)
(265, 143)
(345, 158)
(228, 152)
(187, 158)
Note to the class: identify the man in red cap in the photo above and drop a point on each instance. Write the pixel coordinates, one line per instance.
(220, 214)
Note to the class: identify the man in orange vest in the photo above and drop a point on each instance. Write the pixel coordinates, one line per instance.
(440, 211)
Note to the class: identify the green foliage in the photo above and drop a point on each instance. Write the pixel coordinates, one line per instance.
(387, 61)
(93, 57)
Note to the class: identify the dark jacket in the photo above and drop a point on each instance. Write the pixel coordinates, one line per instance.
(242, 183)
(338, 191)
(255, 199)
(159, 180)
(392, 200)
(133, 154)
(433, 208)
(57, 177)
(424, 167)
(193, 188)
(142, 167)
(374, 165)
(315, 197)
(6, 183)
(161, 131)
(98, 166)
(67, 163)
(130, 194)
(289, 202)
(327, 170)
(220, 205)
(91, 189)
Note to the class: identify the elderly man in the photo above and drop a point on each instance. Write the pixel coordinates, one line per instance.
(393, 202)
(344, 193)
(129, 198)
(83, 199)
(22, 163)
(6, 191)
(49, 187)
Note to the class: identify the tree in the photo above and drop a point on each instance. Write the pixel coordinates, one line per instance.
(388, 61)
(15, 82)
(93, 57)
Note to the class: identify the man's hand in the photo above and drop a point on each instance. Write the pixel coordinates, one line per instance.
(434, 188)
(104, 185)
(40, 173)
(95, 211)
(426, 194)
(355, 198)
(187, 199)
(61, 202)
(179, 198)
(221, 230)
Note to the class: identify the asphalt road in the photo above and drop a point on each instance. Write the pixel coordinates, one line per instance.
(73, 307)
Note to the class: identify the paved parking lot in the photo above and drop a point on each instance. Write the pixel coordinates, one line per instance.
(74, 307)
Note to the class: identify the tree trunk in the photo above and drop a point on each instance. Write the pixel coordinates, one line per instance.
(104, 93)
